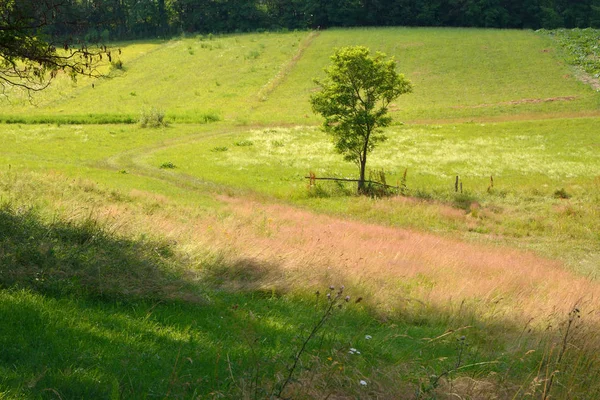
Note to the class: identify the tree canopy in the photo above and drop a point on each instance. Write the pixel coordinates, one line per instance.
(133, 19)
(29, 57)
(354, 99)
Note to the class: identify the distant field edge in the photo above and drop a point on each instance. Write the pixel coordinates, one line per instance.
(85, 119)
(103, 119)
(501, 118)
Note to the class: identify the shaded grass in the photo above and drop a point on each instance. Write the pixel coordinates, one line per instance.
(67, 340)
(78, 258)
(88, 314)
(87, 349)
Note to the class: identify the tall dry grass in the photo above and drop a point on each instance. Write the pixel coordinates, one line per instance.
(245, 244)
(400, 267)
(279, 247)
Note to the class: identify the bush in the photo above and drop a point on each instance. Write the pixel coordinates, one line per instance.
(561, 194)
(167, 165)
(209, 117)
(153, 118)
(117, 64)
(105, 36)
(463, 201)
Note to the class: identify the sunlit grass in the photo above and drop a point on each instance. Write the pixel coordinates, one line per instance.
(509, 173)
(457, 73)
(186, 78)
(267, 78)
(538, 153)
(182, 261)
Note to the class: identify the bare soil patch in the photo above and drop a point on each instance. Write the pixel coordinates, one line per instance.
(588, 79)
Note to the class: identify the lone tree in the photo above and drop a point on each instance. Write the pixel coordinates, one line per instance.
(354, 100)
(29, 56)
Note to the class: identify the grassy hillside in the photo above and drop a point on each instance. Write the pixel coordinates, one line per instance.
(267, 78)
(194, 260)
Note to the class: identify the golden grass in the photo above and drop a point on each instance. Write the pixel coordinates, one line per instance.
(246, 244)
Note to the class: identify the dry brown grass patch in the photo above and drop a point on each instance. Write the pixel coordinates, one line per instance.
(396, 264)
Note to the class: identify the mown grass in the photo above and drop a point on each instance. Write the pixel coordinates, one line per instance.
(459, 74)
(187, 78)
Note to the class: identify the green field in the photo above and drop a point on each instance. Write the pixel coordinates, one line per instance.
(267, 78)
(182, 261)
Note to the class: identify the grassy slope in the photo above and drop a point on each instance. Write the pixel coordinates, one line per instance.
(267, 78)
(521, 208)
(183, 77)
(453, 71)
(146, 311)
(110, 172)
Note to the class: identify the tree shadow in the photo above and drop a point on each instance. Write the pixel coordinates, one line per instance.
(87, 314)
(80, 258)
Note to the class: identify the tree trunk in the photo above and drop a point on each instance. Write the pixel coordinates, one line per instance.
(361, 181)
(363, 163)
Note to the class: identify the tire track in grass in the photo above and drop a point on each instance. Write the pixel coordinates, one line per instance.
(277, 80)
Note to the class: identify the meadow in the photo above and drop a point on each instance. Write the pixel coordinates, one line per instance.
(194, 260)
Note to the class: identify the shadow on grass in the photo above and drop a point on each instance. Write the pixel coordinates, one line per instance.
(86, 314)
(82, 259)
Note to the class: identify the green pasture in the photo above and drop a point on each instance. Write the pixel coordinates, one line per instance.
(95, 307)
(521, 156)
(457, 73)
(267, 78)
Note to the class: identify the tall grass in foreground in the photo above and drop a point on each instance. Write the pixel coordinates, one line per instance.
(136, 301)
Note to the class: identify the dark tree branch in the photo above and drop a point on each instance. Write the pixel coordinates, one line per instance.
(29, 58)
